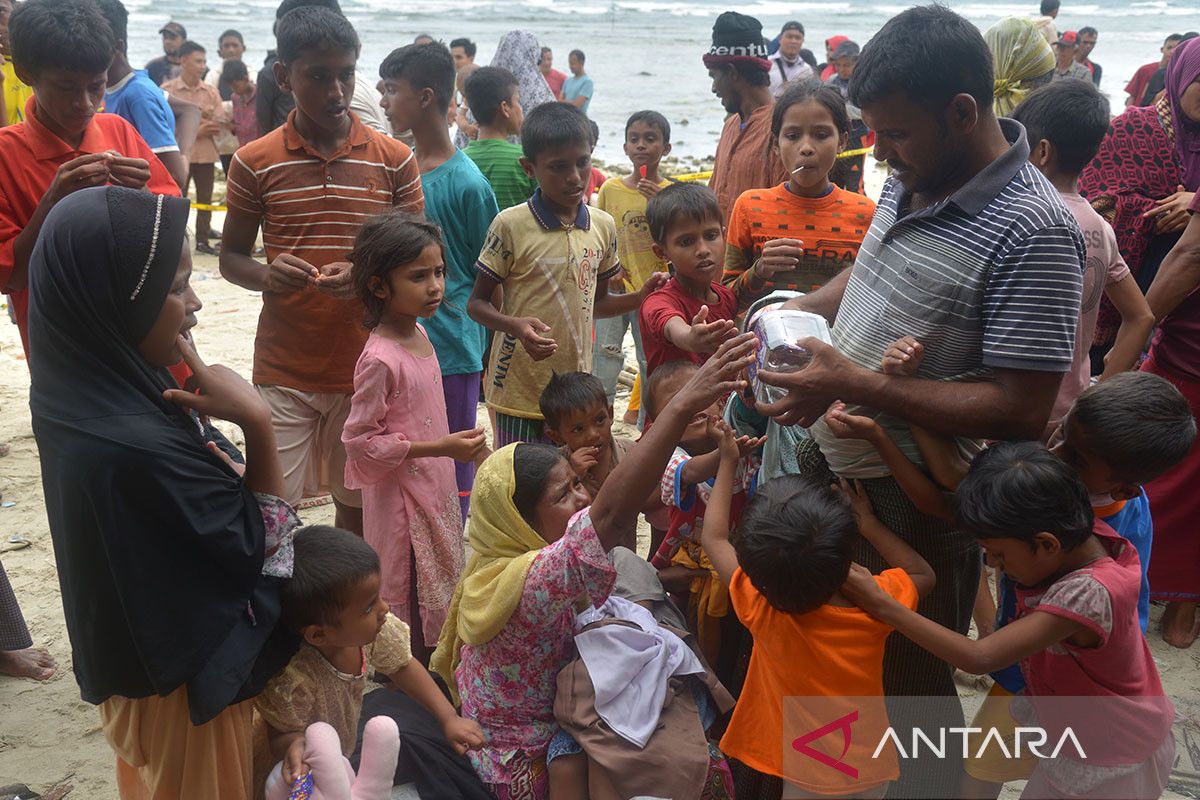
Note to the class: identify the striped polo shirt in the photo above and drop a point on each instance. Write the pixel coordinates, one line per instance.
(312, 206)
(988, 278)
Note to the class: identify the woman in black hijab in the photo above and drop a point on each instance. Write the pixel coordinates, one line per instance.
(159, 539)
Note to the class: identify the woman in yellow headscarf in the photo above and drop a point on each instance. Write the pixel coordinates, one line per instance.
(539, 554)
(1023, 58)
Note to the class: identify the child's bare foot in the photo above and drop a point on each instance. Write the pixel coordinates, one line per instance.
(32, 662)
(849, 426)
(1179, 625)
(903, 356)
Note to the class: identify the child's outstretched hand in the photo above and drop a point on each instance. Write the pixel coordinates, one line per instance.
(529, 332)
(655, 282)
(717, 377)
(903, 356)
(705, 336)
(854, 492)
(293, 761)
(850, 426)
(728, 441)
(583, 459)
(463, 734)
(464, 446)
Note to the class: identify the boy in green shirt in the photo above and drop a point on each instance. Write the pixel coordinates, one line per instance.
(494, 98)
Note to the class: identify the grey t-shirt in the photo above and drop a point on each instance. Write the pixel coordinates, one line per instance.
(988, 278)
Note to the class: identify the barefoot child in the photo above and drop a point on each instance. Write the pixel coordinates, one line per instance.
(787, 560)
(333, 602)
(399, 449)
(537, 547)
(1076, 630)
(809, 127)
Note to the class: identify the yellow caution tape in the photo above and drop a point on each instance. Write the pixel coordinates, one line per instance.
(703, 176)
(208, 207)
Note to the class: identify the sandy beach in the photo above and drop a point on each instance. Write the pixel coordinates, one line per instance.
(49, 737)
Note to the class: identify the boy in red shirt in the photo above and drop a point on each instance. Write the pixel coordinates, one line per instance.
(62, 49)
(689, 317)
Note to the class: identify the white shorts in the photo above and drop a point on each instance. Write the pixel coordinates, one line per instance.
(308, 432)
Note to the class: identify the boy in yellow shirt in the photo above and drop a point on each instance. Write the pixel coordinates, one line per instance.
(647, 140)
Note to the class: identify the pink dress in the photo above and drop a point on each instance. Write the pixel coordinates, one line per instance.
(508, 684)
(410, 506)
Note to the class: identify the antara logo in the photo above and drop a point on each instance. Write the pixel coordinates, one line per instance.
(1031, 739)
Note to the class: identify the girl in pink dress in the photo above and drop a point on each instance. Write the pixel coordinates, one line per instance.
(399, 450)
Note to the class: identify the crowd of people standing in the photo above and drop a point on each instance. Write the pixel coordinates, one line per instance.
(1010, 384)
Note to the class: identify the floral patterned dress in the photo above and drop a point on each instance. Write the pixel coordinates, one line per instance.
(508, 684)
(410, 506)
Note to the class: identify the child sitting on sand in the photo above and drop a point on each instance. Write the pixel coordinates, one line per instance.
(333, 602)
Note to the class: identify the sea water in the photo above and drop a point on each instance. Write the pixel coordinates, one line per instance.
(647, 54)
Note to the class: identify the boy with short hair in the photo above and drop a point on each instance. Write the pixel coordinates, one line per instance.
(332, 602)
(554, 257)
(310, 184)
(647, 140)
(693, 313)
(784, 570)
(418, 87)
(493, 96)
(1066, 122)
(245, 121)
(579, 418)
(132, 95)
(190, 87)
(57, 150)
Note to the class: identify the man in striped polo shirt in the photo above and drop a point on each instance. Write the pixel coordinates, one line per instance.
(311, 184)
(971, 252)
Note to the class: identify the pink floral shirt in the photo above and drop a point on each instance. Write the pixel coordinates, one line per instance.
(508, 684)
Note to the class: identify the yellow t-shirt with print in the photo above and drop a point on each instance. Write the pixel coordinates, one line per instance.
(16, 94)
(635, 245)
(548, 271)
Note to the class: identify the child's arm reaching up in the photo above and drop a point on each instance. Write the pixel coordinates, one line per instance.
(714, 533)
(413, 679)
(895, 551)
(613, 516)
(1019, 639)
(927, 497)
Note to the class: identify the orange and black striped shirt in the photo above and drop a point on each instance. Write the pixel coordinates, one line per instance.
(831, 227)
(312, 206)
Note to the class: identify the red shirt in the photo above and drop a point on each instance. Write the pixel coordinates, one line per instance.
(1140, 80)
(555, 80)
(30, 156)
(672, 301)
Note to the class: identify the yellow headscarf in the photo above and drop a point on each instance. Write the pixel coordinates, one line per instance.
(503, 547)
(1020, 53)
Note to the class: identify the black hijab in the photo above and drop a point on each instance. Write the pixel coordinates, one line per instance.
(159, 545)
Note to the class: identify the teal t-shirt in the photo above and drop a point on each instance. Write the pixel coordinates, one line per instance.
(579, 86)
(460, 200)
(500, 163)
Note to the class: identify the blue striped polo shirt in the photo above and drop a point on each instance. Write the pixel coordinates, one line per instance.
(987, 278)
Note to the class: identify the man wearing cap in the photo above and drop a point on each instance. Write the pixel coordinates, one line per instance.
(166, 66)
(788, 64)
(737, 63)
(1067, 67)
